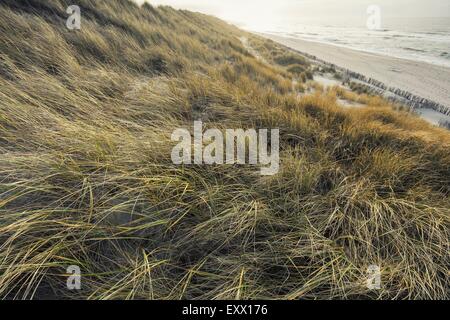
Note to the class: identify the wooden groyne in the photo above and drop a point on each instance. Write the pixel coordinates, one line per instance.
(398, 95)
(408, 98)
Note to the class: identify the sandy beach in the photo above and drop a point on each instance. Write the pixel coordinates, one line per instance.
(422, 79)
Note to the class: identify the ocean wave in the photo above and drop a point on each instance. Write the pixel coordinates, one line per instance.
(414, 49)
(308, 33)
(437, 33)
(404, 36)
(430, 46)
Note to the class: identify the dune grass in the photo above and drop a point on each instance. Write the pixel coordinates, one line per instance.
(86, 177)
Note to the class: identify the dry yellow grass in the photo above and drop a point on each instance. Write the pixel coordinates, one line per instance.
(86, 177)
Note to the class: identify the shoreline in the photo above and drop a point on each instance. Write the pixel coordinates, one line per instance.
(347, 47)
(418, 80)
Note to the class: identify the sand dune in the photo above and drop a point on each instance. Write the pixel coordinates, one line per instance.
(422, 79)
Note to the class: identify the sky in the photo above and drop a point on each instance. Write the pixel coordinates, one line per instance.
(262, 15)
(244, 11)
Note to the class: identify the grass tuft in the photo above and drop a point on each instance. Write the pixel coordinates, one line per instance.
(86, 177)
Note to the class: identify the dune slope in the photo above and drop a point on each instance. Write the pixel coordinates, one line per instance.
(86, 176)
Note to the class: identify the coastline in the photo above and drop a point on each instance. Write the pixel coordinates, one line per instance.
(422, 79)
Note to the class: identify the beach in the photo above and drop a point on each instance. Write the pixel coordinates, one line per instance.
(164, 154)
(425, 80)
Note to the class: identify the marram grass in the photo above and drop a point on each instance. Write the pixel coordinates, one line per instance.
(86, 177)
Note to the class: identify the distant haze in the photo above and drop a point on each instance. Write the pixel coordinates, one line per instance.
(256, 13)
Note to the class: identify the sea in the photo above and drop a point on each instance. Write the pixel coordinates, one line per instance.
(417, 39)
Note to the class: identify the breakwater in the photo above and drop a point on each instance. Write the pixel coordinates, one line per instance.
(392, 94)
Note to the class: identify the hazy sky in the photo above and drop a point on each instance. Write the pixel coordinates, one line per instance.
(240, 10)
(260, 15)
